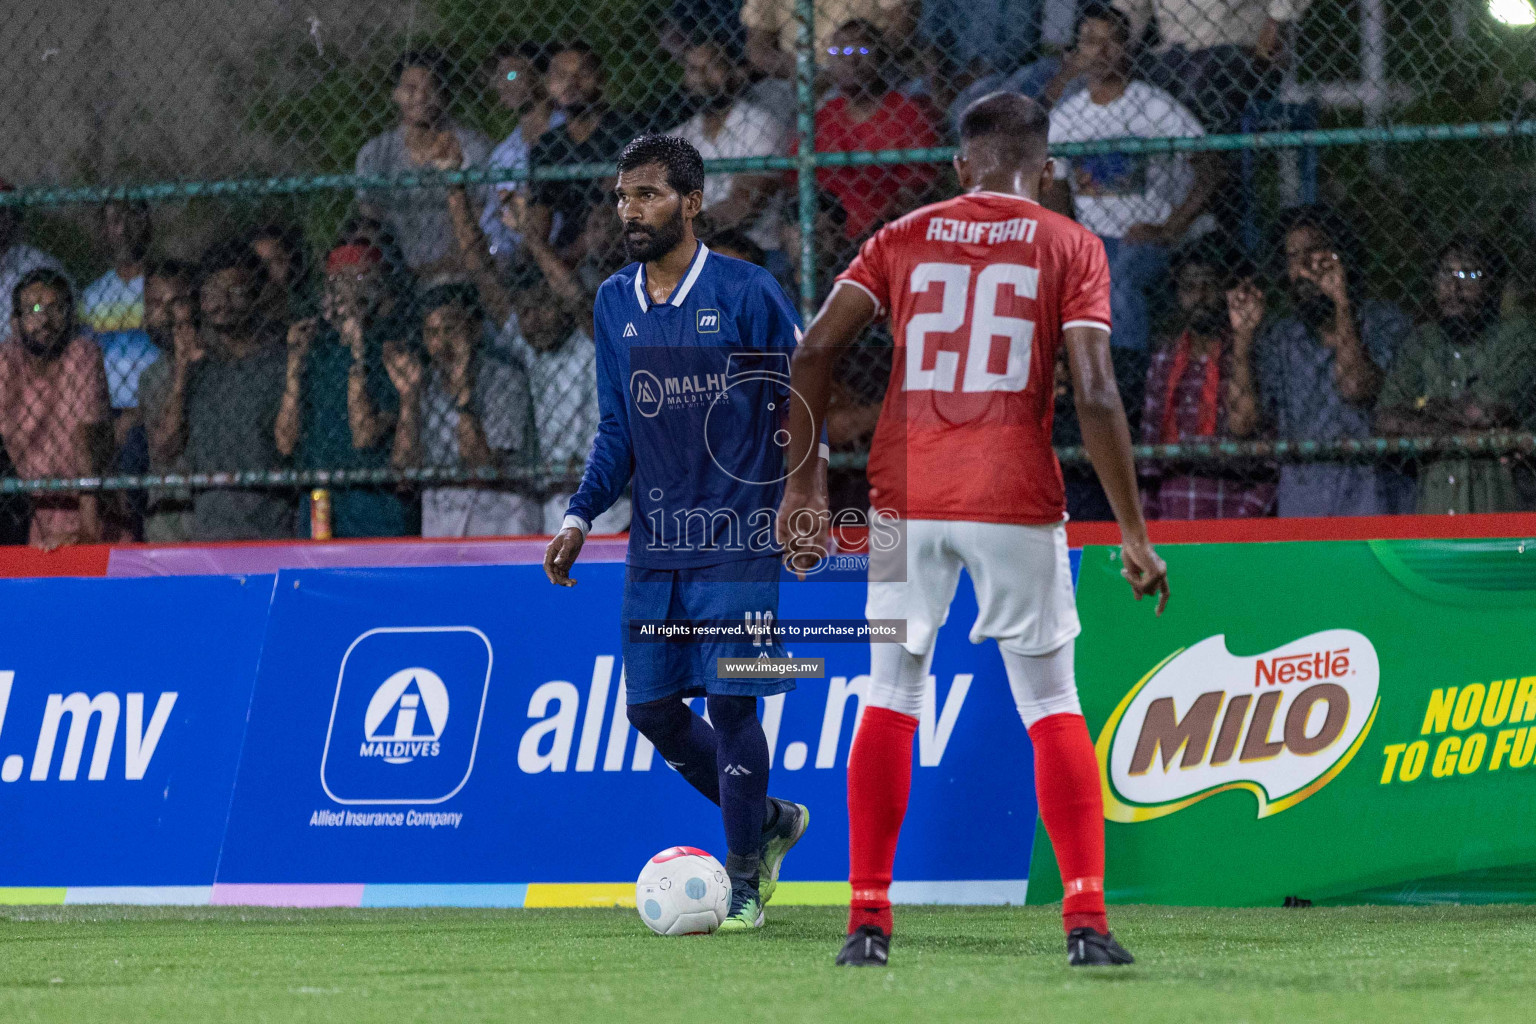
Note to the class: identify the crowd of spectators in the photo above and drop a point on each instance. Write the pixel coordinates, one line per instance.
(449, 326)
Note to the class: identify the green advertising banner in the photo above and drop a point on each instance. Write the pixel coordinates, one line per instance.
(1351, 721)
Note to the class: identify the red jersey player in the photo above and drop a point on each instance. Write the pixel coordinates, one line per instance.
(982, 291)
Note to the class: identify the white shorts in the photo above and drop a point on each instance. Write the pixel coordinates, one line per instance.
(1022, 576)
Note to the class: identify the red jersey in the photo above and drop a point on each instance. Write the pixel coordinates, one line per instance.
(979, 290)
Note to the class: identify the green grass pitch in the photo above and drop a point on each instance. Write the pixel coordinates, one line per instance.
(1356, 965)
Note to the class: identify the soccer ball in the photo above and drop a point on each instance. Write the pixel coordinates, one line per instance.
(682, 891)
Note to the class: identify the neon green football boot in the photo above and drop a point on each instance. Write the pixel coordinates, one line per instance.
(792, 823)
(746, 911)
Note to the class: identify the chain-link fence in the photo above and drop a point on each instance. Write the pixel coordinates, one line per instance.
(283, 265)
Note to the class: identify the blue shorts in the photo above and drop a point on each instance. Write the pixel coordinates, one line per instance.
(718, 593)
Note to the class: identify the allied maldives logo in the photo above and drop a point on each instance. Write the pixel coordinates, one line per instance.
(406, 717)
(1280, 725)
(405, 721)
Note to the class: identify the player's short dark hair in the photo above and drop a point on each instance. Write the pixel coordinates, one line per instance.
(48, 277)
(1015, 126)
(231, 255)
(684, 165)
(1214, 252)
(459, 293)
(587, 50)
(429, 57)
(1117, 19)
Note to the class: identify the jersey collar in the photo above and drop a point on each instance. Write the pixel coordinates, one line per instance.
(1006, 195)
(681, 291)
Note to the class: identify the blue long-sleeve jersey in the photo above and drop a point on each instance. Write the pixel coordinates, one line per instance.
(694, 396)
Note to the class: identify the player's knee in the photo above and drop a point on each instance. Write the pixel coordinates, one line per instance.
(898, 677)
(891, 694)
(659, 718)
(1043, 684)
(1032, 711)
(729, 712)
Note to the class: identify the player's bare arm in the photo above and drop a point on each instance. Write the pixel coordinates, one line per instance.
(803, 521)
(561, 555)
(1107, 437)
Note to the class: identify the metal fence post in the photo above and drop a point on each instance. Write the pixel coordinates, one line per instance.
(805, 117)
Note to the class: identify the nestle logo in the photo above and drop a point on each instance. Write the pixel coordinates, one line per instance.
(1302, 667)
(1194, 727)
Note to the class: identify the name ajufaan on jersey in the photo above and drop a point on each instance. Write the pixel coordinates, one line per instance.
(979, 289)
(693, 395)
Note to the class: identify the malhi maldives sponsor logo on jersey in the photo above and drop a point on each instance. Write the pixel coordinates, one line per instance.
(1280, 725)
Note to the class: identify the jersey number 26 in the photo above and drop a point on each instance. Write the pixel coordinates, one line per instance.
(986, 325)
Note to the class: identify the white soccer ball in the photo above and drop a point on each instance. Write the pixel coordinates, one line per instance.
(682, 891)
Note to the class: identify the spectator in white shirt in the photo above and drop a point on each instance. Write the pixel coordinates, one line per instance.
(465, 407)
(1139, 204)
(1215, 55)
(728, 127)
(554, 344)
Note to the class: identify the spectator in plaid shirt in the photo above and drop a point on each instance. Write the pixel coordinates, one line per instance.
(1199, 381)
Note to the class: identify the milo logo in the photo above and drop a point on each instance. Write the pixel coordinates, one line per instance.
(1281, 725)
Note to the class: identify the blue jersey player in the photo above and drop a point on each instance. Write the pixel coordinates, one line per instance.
(693, 353)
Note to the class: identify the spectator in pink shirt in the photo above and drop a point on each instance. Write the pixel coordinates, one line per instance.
(54, 412)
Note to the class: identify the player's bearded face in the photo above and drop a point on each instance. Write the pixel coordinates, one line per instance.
(644, 242)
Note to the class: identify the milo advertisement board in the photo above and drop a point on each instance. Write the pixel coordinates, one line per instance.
(1346, 721)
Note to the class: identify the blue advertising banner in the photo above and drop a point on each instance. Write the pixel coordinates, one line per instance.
(122, 708)
(436, 735)
(457, 735)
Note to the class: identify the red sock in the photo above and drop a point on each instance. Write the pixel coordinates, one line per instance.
(1072, 807)
(879, 782)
